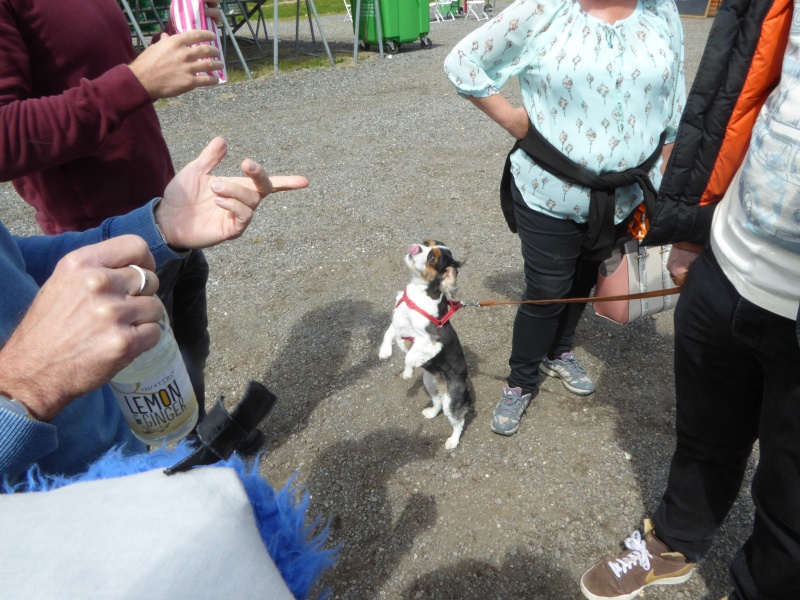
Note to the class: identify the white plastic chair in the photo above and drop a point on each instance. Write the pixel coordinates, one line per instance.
(471, 4)
(434, 8)
(349, 16)
(443, 9)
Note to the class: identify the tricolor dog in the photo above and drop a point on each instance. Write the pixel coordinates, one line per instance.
(421, 328)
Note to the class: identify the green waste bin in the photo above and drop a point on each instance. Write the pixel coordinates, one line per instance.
(402, 21)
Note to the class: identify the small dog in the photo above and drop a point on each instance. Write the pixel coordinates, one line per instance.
(421, 328)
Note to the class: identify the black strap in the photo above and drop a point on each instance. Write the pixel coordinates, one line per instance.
(600, 236)
(220, 432)
(797, 326)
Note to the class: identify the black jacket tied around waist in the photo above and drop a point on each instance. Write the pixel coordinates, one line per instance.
(599, 239)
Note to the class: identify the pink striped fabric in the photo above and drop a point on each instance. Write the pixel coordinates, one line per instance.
(190, 14)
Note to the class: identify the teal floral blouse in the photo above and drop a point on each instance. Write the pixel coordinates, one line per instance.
(602, 93)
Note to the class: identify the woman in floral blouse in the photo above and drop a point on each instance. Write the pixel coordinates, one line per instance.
(602, 81)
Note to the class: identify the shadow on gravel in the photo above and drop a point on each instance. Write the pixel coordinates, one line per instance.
(637, 381)
(352, 476)
(328, 349)
(521, 575)
(506, 285)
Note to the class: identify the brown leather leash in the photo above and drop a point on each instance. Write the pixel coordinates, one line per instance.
(640, 295)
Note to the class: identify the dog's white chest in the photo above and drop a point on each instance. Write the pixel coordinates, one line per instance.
(409, 322)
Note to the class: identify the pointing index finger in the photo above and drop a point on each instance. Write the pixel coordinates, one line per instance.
(282, 183)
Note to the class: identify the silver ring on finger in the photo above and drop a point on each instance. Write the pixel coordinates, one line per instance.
(145, 279)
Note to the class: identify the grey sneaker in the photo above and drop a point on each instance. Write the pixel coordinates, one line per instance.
(570, 372)
(509, 411)
(647, 561)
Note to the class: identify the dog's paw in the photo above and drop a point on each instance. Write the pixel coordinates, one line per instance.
(418, 359)
(408, 372)
(385, 351)
(430, 412)
(452, 442)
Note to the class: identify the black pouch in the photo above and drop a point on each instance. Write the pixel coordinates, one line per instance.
(506, 200)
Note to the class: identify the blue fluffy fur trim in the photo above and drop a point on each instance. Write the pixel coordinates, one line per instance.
(298, 554)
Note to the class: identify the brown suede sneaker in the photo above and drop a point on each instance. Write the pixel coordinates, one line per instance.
(646, 562)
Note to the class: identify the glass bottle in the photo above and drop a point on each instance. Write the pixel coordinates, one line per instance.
(155, 394)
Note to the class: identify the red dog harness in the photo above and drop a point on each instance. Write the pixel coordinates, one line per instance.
(454, 307)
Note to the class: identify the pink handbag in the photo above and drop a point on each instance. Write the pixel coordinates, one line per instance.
(634, 269)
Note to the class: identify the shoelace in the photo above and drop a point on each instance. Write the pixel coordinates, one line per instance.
(571, 363)
(639, 554)
(507, 408)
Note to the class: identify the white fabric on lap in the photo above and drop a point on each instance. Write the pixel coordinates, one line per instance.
(191, 535)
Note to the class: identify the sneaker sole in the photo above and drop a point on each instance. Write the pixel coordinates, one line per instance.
(506, 433)
(666, 581)
(551, 373)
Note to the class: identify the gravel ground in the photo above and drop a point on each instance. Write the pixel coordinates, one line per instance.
(302, 300)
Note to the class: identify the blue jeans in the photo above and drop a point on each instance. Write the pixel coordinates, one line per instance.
(554, 268)
(737, 378)
(182, 289)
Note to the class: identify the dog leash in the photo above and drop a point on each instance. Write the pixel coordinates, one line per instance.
(637, 296)
(455, 305)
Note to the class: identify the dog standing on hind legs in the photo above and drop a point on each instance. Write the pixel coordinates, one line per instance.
(421, 328)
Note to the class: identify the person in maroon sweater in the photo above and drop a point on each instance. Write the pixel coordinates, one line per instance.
(81, 140)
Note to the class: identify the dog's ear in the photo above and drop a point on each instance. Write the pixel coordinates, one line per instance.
(449, 281)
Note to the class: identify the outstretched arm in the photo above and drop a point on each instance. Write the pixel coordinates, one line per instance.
(192, 214)
(88, 321)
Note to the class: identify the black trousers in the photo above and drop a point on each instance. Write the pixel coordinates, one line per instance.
(182, 289)
(737, 377)
(554, 268)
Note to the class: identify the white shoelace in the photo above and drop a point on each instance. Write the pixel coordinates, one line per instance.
(639, 554)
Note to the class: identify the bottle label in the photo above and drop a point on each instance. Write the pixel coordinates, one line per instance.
(157, 407)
